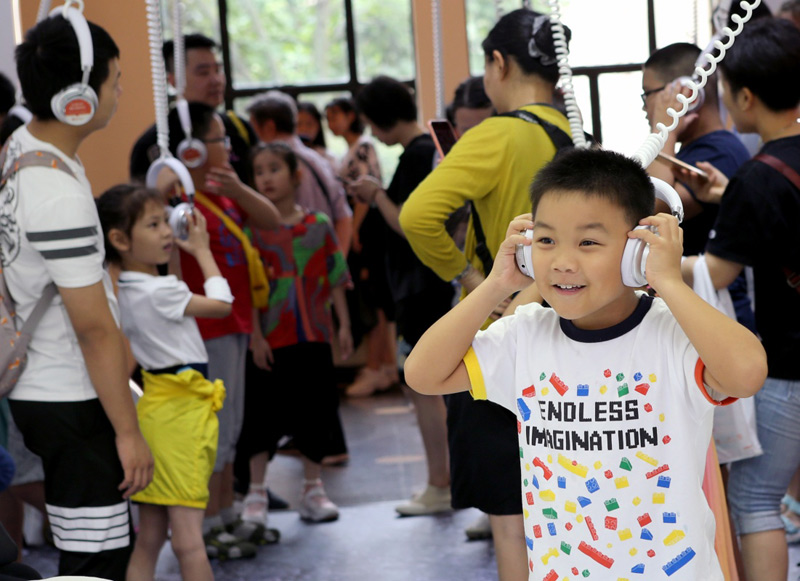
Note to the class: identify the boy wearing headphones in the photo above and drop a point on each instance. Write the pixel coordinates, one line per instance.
(614, 391)
(757, 226)
(72, 403)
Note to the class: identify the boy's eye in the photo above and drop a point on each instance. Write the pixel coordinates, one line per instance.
(588, 243)
(545, 240)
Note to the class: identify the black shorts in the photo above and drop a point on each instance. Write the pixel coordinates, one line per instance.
(484, 456)
(82, 471)
(297, 398)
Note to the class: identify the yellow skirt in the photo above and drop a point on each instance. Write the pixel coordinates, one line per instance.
(177, 416)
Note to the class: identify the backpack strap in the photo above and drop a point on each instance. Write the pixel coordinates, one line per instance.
(792, 277)
(32, 159)
(561, 140)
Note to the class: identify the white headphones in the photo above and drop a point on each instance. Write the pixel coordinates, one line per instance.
(192, 152)
(178, 215)
(634, 257)
(76, 104)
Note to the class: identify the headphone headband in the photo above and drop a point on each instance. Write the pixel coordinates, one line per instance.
(668, 195)
(74, 15)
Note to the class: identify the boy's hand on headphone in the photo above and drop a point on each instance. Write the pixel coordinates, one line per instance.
(668, 97)
(505, 271)
(663, 266)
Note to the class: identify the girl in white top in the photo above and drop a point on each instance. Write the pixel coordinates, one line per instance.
(177, 413)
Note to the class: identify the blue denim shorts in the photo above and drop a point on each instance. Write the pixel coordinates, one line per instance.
(756, 485)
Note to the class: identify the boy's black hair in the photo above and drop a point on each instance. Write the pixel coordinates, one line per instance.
(311, 109)
(275, 106)
(512, 36)
(190, 41)
(278, 148)
(470, 94)
(601, 173)
(386, 101)
(200, 115)
(10, 124)
(673, 61)
(8, 94)
(348, 105)
(48, 60)
(765, 58)
(120, 207)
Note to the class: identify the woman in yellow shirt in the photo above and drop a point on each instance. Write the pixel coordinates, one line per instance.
(491, 166)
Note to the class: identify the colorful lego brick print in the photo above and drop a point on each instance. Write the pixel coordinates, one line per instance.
(674, 537)
(645, 458)
(529, 391)
(559, 385)
(595, 555)
(524, 410)
(679, 561)
(625, 464)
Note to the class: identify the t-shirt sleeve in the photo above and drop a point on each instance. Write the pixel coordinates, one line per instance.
(491, 362)
(170, 297)
(61, 224)
(695, 397)
(468, 172)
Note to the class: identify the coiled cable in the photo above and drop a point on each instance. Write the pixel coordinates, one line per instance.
(159, 76)
(654, 142)
(565, 76)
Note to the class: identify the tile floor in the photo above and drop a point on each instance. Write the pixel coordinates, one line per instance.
(368, 542)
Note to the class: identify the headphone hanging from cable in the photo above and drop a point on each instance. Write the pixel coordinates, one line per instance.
(76, 104)
(180, 214)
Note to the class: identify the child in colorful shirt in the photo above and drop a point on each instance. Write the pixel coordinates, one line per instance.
(290, 388)
(613, 390)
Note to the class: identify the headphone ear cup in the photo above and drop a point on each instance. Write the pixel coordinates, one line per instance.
(179, 220)
(192, 152)
(75, 105)
(634, 258)
(524, 256)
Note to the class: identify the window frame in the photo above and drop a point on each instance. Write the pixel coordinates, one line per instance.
(352, 85)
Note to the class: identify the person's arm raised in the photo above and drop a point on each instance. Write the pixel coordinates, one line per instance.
(735, 361)
(435, 366)
(103, 350)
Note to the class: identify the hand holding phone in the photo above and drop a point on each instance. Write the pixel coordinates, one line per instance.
(683, 165)
(524, 255)
(443, 134)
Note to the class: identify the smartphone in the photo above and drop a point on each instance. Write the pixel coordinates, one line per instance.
(443, 134)
(683, 165)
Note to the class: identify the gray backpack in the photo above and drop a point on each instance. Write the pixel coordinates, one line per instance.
(14, 336)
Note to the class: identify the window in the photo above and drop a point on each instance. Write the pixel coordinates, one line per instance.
(610, 41)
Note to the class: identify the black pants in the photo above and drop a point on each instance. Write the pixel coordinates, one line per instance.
(89, 519)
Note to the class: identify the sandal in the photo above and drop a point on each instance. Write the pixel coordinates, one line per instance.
(792, 528)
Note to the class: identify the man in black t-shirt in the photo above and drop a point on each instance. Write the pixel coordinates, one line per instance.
(420, 296)
(205, 83)
(758, 225)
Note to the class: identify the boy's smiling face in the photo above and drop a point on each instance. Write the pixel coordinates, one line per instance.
(578, 241)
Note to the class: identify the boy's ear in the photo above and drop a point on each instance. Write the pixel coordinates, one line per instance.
(119, 240)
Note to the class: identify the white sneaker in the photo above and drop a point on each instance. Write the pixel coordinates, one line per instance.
(479, 530)
(315, 506)
(432, 500)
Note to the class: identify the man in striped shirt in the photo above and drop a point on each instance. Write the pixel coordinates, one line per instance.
(72, 403)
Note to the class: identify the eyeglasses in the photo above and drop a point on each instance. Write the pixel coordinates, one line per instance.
(225, 140)
(646, 94)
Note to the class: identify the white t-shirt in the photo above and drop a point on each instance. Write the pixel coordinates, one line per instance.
(153, 319)
(50, 232)
(614, 426)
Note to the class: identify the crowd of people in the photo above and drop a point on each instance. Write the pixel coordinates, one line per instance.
(572, 409)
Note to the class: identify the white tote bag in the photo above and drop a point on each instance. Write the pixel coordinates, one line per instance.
(735, 434)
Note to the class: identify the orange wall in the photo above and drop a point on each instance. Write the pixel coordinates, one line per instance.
(105, 153)
(455, 59)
